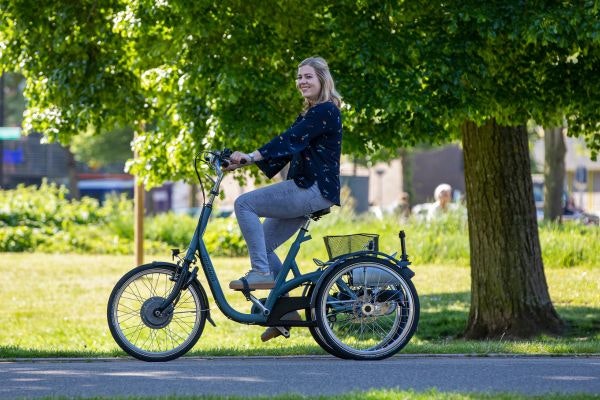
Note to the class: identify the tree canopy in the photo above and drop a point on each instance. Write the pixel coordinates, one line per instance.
(188, 75)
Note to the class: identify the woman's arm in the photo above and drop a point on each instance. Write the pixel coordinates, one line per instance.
(270, 167)
(322, 118)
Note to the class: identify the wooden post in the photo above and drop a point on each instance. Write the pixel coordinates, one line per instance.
(138, 201)
(1, 125)
(138, 210)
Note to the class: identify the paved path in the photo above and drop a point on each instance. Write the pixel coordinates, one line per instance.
(303, 375)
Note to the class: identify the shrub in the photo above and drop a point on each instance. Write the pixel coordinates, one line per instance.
(224, 238)
(446, 240)
(569, 244)
(43, 219)
(17, 238)
(118, 216)
(176, 230)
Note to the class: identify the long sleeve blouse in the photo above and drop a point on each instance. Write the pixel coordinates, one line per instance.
(312, 146)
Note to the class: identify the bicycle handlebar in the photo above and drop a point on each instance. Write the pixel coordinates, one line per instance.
(216, 159)
(225, 162)
(223, 157)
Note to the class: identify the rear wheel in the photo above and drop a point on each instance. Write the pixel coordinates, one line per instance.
(140, 329)
(366, 310)
(314, 331)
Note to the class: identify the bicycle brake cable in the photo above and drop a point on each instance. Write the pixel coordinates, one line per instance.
(198, 176)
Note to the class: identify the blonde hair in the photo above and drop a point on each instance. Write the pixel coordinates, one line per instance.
(328, 92)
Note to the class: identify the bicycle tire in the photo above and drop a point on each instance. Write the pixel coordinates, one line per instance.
(155, 338)
(314, 331)
(368, 320)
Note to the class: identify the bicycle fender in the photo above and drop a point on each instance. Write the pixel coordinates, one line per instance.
(202, 290)
(406, 272)
(330, 268)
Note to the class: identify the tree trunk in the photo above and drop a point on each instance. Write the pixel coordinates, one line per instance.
(509, 293)
(194, 203)
(554, 173)
(406, 159)
(72, 172)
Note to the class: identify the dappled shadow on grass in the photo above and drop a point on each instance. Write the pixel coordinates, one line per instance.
(582, 322)
(444, 316)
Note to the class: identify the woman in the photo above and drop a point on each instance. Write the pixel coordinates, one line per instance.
(312, 147)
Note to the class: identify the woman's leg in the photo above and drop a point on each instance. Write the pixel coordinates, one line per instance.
(286, 204)
(276, 232)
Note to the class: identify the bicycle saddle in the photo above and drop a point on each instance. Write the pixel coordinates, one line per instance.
(318, 214)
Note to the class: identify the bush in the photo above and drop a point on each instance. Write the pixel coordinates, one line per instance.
(446, 241)
(224, 238)
(176, 230)
(569, 244)
(17, 238)
(43, 219)
(118, 216)
(46, 207)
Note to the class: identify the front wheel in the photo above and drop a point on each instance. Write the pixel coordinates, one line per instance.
(139, 329)
(366, 310)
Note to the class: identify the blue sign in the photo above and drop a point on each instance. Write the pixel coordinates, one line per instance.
(12, 157)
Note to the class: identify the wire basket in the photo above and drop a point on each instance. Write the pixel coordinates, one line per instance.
(345, 244)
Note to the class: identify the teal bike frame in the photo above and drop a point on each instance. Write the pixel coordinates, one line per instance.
(198, 247)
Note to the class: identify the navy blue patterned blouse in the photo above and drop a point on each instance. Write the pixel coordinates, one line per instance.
(312, 146)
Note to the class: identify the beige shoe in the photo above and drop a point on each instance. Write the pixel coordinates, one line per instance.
(272, 332)
(255, 279)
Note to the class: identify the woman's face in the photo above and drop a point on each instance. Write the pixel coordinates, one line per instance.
(308, 83)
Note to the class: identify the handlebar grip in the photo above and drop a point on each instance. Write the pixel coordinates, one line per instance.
(225, 162)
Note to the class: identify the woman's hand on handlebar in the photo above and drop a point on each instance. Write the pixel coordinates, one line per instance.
(237, 159)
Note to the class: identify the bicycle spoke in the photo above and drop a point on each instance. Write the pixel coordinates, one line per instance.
(363, 315)
(156, 337)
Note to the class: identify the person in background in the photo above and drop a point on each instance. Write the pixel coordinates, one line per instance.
(443, 201)
(402, 209)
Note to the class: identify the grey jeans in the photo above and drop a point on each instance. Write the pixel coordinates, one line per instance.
(284, 206)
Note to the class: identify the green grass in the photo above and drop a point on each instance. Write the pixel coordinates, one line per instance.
(55, 305)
